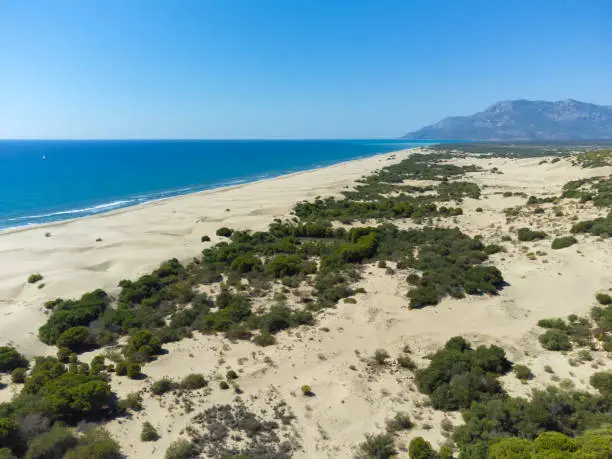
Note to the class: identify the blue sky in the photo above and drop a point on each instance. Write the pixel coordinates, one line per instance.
(288, 68)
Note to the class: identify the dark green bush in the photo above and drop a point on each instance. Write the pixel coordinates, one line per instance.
(205, 239)
(10, 359)
(602, 381)
(224, 232)
(77, 339)
(33, 278)
(603, 298)
(420, 448)
(73, 313)
(459, 375)
(555, 340)
(264, 339)
(18, 375)
(527, 234)
(133, 370)
(562, 242)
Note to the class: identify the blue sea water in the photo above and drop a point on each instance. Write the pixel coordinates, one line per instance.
(45, 181)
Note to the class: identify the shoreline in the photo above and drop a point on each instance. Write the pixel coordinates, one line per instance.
(214, 189)
(82, 254)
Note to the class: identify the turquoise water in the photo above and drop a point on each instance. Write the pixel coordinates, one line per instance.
(45, 181)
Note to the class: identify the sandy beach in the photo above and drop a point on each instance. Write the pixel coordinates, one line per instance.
(351, 398)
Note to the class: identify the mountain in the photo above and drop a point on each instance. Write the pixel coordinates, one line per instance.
(525, 120)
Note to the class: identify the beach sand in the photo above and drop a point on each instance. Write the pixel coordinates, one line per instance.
(352, 397)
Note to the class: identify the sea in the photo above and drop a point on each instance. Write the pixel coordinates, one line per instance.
(45, 181)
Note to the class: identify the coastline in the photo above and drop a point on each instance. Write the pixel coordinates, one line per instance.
(137, 238)
(238, 182)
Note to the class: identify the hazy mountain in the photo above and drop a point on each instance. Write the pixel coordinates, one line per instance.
(525, 120)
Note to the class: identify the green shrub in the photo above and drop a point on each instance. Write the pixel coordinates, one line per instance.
(193, 381)
(96, 443)
(562, 242)
(10, 359)
(511, 448)
(307, 390)
(223, 385)
(420, 448)
(33, 278)
(73, 313)
(18, 375)
(163, 385)
(284, 265)
(122, 368)
(603, 298)
(264, 339)
(459, 375)
(54, 443)
(181, 449)
(148, 432)
(555, 340)
(378, 447)
(224, 232)
(602, 381)
(231, 375)
(527, 234)
(205, 239)
(63, 354)
(142, 345)
(133, 370)
(77, 339)
(523, 372)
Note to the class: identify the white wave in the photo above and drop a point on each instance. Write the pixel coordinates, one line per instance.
(94, 209)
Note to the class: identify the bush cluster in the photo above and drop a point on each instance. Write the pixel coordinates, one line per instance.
(458, 375)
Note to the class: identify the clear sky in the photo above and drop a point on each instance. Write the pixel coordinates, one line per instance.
(288, 68)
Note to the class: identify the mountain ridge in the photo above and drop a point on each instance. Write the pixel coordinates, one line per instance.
(523, 119)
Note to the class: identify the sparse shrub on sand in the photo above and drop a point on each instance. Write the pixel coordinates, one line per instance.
(528, 235)
(377, 447)
(148, 432)
(134, 370)
(33, 278)
(563, 242)
(163, 385)
(555, 340)
(193, 381)
(181, 449)
(307, 390)
(523, 372)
